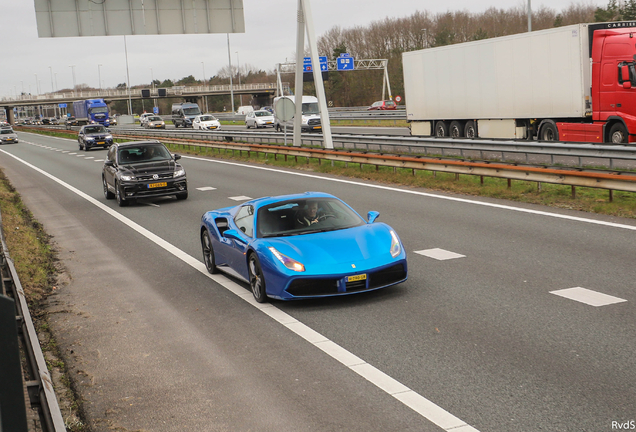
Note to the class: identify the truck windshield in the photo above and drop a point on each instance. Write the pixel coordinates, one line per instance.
(191, 111)
(310, 108)
(99, 110)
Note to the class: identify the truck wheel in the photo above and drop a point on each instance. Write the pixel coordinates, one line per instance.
(441, 129)
(470, 130)
(549, 132)
(456, 129)
(618, 134)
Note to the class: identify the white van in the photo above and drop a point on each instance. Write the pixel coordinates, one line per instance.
(311, 115)
(245, 110)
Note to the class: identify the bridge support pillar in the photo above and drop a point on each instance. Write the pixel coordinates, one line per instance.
(8, 111)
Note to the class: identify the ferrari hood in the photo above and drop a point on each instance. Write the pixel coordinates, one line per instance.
(364, 245)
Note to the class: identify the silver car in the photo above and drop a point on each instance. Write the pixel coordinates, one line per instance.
(258, 119)
(8, 136)
(155, 122)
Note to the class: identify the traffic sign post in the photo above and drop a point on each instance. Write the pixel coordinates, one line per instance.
(345, 62)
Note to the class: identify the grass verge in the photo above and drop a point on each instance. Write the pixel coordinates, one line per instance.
(37, 267)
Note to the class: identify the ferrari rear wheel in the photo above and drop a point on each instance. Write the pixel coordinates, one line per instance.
(208, 252)
(257, 281)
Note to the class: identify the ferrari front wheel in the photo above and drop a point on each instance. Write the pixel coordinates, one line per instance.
(257, 281)
(208, 252)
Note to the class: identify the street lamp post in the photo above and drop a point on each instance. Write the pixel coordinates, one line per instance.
(238, 69)
(99, 75)
(152, 86)
(73, 69)
(229, 59)
(205, 97)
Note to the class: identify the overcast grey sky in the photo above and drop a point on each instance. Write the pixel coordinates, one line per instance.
(269, 38)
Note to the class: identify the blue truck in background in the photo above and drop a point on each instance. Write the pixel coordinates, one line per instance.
(91, 111)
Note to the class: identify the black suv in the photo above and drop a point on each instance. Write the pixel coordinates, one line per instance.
(142, 169)
(94, 135)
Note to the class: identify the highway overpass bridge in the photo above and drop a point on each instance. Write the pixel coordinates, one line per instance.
(262, 93)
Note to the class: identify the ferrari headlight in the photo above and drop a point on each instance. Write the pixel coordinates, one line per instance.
(178, 173)
(287, 261)
(396, 248)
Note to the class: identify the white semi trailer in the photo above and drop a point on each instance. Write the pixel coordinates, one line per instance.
(573, 83)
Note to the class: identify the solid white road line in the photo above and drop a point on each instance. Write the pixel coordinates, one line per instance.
(408, 397)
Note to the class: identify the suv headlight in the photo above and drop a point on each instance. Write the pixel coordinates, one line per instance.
(125, 177)
(179, 173)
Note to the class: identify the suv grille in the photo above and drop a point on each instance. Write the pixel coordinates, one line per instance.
(148, 177)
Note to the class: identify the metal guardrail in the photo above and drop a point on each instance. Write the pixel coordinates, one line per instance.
(416, 145)
(565, 176)
(40, 388)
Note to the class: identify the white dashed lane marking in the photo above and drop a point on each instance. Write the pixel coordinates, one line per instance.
(439, 254)
(206, 188)
(589, 297)
(240, 198)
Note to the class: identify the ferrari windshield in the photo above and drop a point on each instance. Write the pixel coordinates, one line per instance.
(305, 216)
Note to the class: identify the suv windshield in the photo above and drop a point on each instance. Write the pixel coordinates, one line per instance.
(191, 111)
(143, 153)
(310, 108)
(6, 131)
(95, 129)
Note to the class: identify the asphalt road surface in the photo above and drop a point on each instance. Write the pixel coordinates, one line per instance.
(514, 317)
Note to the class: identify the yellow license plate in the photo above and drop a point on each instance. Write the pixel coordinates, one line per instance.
(156, 185)
(356, 278)
(101, 142)
(158, 126)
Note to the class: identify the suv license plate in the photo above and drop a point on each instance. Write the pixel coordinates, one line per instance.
(156, 185)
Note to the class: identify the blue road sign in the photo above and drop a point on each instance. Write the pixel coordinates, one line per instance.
(345, 62)
(61, 105)
(155, 110)
(308, 67)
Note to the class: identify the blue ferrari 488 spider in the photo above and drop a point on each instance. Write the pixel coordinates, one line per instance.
(301, 246)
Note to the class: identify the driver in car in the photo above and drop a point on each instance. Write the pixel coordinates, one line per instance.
(308, 215)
